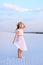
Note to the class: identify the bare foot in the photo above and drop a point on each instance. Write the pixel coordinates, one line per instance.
(21, 57)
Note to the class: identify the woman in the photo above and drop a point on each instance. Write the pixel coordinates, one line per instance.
(19, 39)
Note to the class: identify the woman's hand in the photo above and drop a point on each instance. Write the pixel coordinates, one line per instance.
(24, 25)
(14, 41)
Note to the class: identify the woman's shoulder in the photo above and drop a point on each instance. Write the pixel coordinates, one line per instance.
(19, 30)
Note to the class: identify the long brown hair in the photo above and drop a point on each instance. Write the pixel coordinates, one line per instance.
(18, 25)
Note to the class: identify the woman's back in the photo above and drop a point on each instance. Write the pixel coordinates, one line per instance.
(20, 32)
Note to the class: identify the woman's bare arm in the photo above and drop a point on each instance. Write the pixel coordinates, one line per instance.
(24, 26)
(15, 37)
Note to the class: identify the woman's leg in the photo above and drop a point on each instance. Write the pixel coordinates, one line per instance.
(19, 53)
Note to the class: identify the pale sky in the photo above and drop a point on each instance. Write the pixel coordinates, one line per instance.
(30, 11)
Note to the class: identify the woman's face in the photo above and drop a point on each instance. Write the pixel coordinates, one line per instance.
(20, 25)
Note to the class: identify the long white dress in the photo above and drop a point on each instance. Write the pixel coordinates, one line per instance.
(20, 42)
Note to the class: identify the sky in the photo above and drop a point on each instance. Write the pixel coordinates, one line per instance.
(21, 10)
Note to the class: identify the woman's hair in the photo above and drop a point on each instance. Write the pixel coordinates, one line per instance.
(18, 25)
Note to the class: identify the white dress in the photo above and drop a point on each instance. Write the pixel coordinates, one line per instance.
(20, 42)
